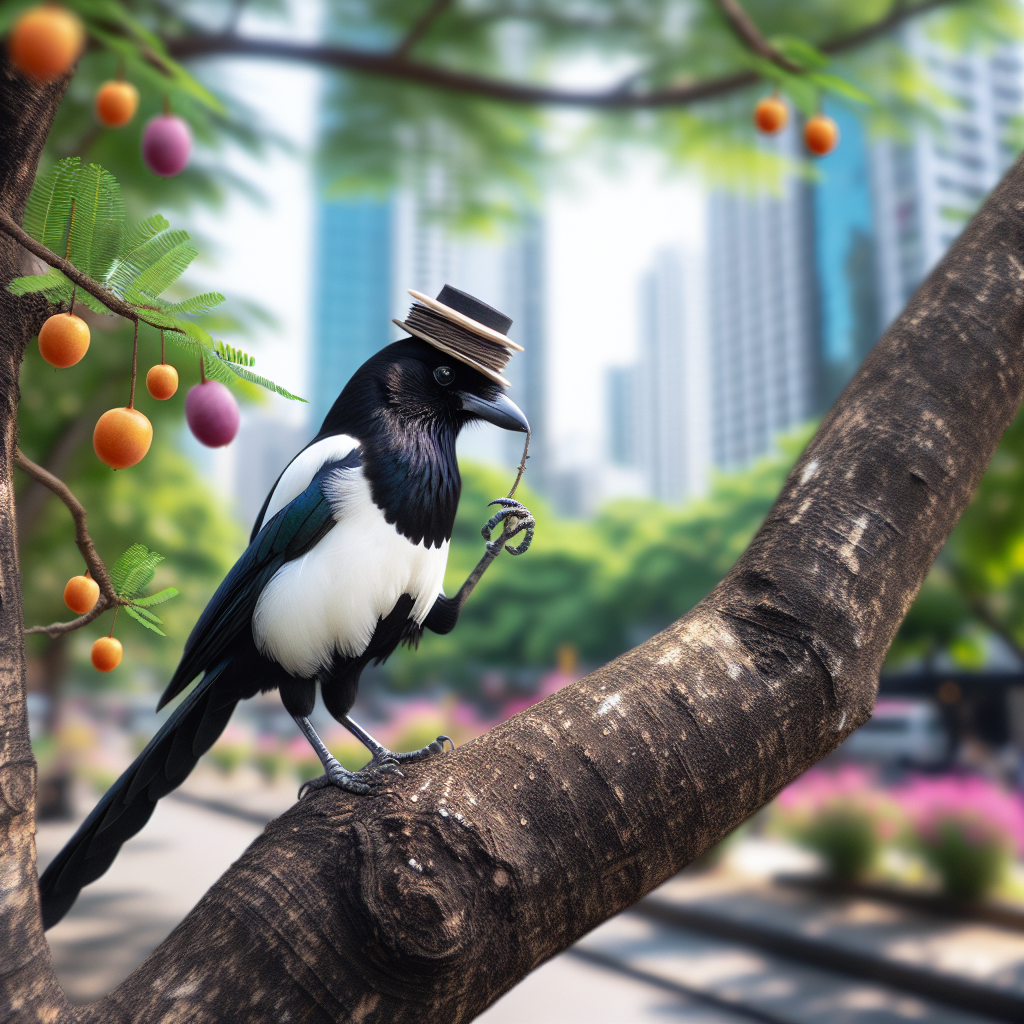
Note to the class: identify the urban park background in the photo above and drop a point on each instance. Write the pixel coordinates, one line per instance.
(691, 300)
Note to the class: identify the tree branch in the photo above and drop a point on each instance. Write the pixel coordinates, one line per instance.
(430, 899)
(747, 32)
(10, 227)
(400, 67)
(107, 598)
(422, 26)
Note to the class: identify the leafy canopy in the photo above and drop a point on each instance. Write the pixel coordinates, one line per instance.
(77, 210)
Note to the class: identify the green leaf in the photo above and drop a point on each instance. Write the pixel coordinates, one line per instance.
(144, 257)
(158, 598)
(53, 284)
(48, 210)
(97, 222)
(137, 615)
(219, 369)
(234, 355)
(197, 305)
(161, 274)
(841, 87)
(134, 570)
(93, 303)
(799, 51)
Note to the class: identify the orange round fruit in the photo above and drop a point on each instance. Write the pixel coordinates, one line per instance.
(821, 134)
(64, 339)
(162, 381)
(116, 103)
(46, 41)
(81, 594)
(771, 115)
(122, 437)
(107, 653)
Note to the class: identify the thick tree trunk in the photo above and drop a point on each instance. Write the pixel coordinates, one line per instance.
(28, 988)
(430, 900)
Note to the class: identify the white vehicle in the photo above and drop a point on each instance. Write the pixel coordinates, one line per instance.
(902, 732)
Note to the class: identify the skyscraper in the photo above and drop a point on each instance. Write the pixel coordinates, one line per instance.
(763, 316)
(926, 189)
(353, 294)
(672, 379)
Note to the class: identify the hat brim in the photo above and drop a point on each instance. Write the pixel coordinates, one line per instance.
(479, 367)
(465, 321)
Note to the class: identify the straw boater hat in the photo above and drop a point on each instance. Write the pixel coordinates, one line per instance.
(466, 328)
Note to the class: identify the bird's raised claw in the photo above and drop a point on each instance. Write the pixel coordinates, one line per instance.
(516, 515)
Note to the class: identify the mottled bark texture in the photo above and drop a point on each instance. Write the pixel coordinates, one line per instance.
(431, 899)
(28, 989)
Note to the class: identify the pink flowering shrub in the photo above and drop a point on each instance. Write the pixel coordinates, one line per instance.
(842, 816)
(967, 828)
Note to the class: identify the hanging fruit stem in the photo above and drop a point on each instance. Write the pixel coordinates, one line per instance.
(202, 370)
(135, 365)
(163, 357)
(113, 623)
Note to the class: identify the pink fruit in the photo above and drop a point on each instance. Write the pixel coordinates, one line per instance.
(166, 145)
(212, 414)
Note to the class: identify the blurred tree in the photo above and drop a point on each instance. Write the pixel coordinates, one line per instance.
(603, 585)
(976, 588)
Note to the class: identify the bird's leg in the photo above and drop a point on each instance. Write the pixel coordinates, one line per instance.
(334, 774)
(388, 760)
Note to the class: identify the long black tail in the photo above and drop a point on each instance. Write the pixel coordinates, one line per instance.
(127, 805)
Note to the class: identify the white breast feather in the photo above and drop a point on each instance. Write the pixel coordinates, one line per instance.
(295, 479)
(332, 597)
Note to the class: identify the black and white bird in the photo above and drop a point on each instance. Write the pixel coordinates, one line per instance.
(346, 561)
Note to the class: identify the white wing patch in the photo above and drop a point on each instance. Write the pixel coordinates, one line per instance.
(301, 470)
(331, 598)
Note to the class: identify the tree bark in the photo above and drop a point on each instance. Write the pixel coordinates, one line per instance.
(431, 899)
(28, 988)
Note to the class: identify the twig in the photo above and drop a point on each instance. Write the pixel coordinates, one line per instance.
(422, 26)
(747, 32)
(107, 598)
(388, 65)
(522, 465)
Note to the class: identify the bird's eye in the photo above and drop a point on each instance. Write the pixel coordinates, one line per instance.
(444, 376)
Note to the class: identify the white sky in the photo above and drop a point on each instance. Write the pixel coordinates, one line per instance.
(601, 233)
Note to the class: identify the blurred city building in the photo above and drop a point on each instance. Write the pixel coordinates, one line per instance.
(926, 188)
(801, 284)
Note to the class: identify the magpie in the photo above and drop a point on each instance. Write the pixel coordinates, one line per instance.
(345, 562)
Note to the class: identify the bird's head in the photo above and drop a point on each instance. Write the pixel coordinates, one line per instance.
(424, 389)
(443, 377)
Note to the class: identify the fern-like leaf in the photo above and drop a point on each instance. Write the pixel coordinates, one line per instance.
(139, 616)
(134, 570)
(197, 305)
(48, 210)
(218, 369)
(144, 256)
(161, 274)
(98, 221)
(154, 599)
(52, 283)
(234, 355)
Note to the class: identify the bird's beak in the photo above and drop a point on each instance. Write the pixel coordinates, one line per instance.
(500, 411)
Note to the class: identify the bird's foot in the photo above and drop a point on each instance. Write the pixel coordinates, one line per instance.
(383, 756)
(342, 778)
(517, 518)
